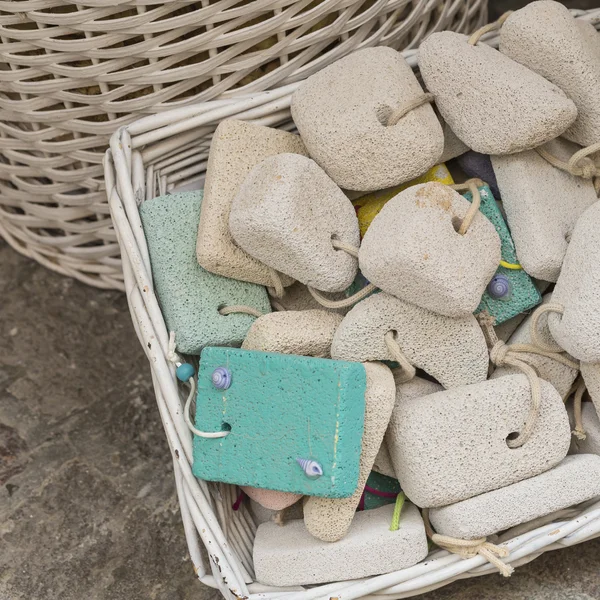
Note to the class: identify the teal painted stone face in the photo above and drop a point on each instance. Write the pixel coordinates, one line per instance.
(190, 296)
(380, 490)
(279, 408)
(523, 294)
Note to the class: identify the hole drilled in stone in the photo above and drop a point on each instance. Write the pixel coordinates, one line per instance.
(512, 436)
(456, 223)
(225, 426)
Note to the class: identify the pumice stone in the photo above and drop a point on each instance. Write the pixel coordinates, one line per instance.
(492, 103)
(438, 266)
(288, 214)
(346, 112)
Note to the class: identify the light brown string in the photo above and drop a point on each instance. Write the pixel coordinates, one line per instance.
(470, 185)
(475, 37)
(534, 325)
(240, 308)
(579, 431)
(277, 290)
(408, 371)
(345, 246)
(401, 112)
(327, 303)
(579, 164)
(502, 354)
(470, 548)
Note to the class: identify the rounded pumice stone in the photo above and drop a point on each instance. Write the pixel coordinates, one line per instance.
(434, 266)
(492, 103)
(453, 146)
(577, 290)
(329, 519)
(559, 375)
(542, 205)
(307, 333)
(452, 445)
(383, 461)
(342, 113)
(236, 148)
(287, 213)
(546, 38)
(591, 377)
(261, 514)
(289, 555)
(574, 480)
(451, 350)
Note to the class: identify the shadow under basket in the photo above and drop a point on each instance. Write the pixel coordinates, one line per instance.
(151, 157)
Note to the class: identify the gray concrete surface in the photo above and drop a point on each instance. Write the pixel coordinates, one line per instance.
(87, 503)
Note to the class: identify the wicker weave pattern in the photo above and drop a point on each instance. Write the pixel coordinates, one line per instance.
(75, 71)
(150, 157)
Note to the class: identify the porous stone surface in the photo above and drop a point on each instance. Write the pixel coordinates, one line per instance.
(577, 330)
(342, 112)
(478, 165)
(574, 480)
(434, 267)
(290, 555)
(452, 350)
(492, 103)
(506, 329)
(547, 39)
(591, 426)
(591, 376)
(308, 333)
(383, 461)
(286, 214)
(271, 499)
(279, 408)
(236, 148)
(451, 445)
(86, 472)
(559, 375)
(190, 296)
(453, 146)
(542, 205)
(329, 519)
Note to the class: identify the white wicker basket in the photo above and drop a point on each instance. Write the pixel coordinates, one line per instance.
(151, 157)
(72, 71)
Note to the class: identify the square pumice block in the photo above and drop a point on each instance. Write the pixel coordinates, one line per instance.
(279, 408)
(236, 148)
(289, 555)
(190, 297)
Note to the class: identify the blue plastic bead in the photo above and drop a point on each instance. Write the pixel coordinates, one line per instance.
(184, 372)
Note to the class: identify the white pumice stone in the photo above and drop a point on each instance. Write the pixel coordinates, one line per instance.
(492, 103)
(452, 445)
(236, 148)
(306, 333)
(286, 214)
(577, 290)
(329, 519)
(542, 205)
(547, 39)
(574, 480)
(434, 266)
(559, 375)
(453, 146)
(271, 499)
(591, 377)
(289, 555)
(383, 461)
(452, 350)
(342, 112)
(591, 426)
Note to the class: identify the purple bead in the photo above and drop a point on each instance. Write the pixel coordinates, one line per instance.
(221, 378)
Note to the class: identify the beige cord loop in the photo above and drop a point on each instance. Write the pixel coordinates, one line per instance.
(401, 112)
(472, 186)
(277, 290)
(345, 246)
(579, 431)
(408, 371)
(534, 326)
(351, 300)
(240, 308)
(579, 164)
(470, 548)
(475, 37)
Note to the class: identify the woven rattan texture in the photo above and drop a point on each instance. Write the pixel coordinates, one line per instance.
(72, 72)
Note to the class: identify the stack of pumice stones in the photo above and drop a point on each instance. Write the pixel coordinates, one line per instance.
(368, 324)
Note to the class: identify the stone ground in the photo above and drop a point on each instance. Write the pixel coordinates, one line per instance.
(87, 499)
